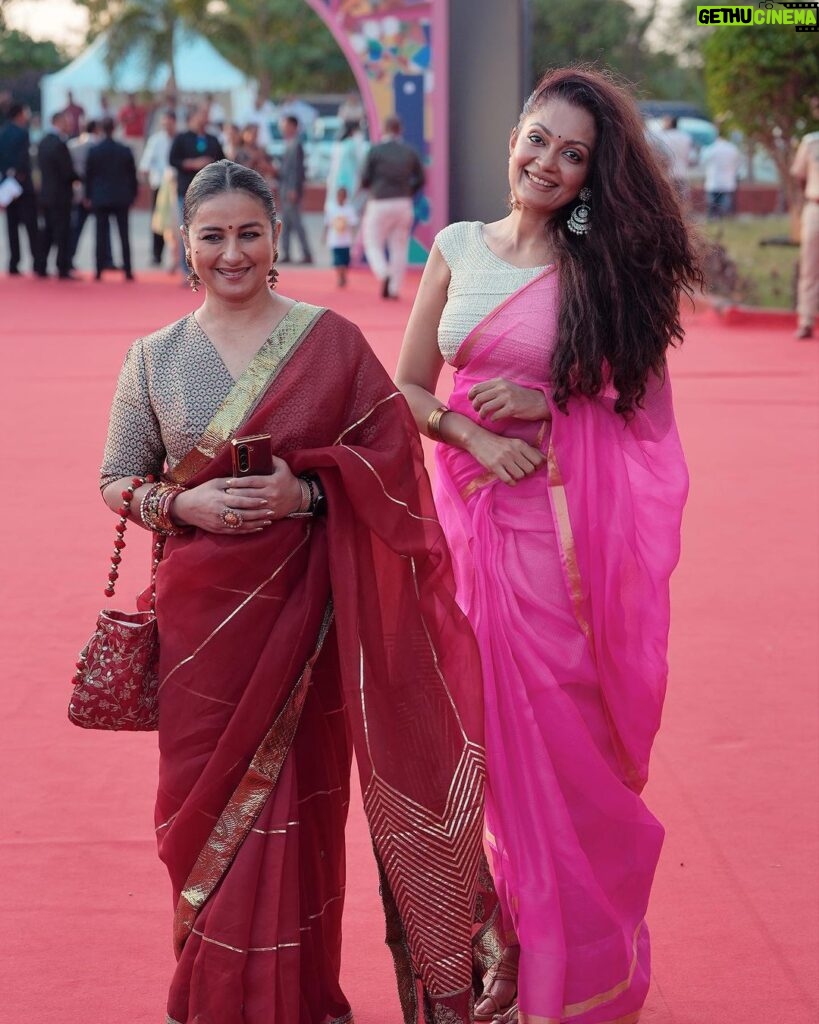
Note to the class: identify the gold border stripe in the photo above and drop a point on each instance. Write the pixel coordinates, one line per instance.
(268, 362)
(531, 1018)
(484, 480)
(566, 538)
(246, 803)
(366, 416)
(238, 608)
(575, 1009)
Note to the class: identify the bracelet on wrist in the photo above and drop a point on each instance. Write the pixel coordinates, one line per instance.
(317, 498)
(313, 499)
(155, 509)
(434, 422)
(304, 510)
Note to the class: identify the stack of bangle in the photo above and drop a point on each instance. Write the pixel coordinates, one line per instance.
(155, 509)
(434, 422)
(312, 498)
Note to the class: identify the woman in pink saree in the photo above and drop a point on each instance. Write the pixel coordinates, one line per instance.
(560, 485)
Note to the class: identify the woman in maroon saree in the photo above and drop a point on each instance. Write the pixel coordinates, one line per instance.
(289, 640)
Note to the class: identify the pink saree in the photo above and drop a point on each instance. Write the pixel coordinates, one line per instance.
(564, 578)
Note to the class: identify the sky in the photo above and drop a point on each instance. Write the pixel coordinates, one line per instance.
(62, 21)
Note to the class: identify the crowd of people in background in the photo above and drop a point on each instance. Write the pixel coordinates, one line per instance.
(94, 162)
(87, 162)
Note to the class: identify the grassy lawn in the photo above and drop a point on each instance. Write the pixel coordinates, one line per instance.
(765, 274)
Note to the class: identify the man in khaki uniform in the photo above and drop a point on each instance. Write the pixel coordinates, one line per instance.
(805, 169)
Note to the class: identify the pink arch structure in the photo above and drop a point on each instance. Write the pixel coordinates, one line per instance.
(398, 51)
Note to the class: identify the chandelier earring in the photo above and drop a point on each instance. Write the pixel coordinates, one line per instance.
(579, 223)
(193, 279)
(273, 274)
(513, 203)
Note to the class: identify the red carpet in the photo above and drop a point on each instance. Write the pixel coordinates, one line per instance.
(85, 932)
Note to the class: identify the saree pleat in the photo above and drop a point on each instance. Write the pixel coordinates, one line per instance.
(261, 702)
(571, 702)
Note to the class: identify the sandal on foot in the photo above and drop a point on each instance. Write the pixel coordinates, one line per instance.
(500, 987)
(509, 1017)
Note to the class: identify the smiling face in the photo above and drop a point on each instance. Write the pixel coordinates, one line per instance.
(231, 242)
(550, 156)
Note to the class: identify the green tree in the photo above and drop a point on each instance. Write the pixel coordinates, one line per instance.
(148, 25)
(615, 34)
(759, 79)
(283, 44)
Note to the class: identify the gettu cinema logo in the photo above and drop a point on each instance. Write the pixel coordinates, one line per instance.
(803, 17)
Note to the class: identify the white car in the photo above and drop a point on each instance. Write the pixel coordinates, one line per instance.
(318, 146)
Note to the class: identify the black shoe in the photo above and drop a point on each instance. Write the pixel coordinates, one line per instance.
(41, 273)
(306, 262)
(129, 276)
(385, 288)
(803, 333)
(67, 277)
(14, 272)
(98, 275)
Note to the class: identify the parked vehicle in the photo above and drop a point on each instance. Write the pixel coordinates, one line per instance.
(673, 108)
(319, 146)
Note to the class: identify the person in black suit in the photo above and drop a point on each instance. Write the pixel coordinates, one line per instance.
(56, 191)
(111, 188)
(15, 159)
(192, 150)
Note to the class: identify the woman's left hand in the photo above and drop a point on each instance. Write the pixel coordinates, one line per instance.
(280, 489)
(498, 399)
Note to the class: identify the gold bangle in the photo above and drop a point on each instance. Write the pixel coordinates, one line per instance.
(306, 496)
(303, 511)
(434, 422)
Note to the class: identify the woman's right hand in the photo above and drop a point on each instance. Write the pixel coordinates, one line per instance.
(204, 506)
(509, 458)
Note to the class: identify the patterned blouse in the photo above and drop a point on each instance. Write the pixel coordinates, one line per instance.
(170, 386)
(480, 281)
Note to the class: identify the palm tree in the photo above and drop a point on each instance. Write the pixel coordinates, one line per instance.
(278, 42)
(150, 26)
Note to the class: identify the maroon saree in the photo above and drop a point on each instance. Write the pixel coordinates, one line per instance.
(281, 652)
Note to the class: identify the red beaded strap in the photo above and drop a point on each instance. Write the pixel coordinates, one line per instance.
(119, 541)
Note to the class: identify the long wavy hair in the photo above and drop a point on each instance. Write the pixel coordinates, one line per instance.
(620, 284)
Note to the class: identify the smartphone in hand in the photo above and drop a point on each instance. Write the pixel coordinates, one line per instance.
(252, 456)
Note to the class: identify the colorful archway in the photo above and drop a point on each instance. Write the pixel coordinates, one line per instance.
(398, 51)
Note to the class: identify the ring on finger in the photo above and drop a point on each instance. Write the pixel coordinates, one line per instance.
(231, 518)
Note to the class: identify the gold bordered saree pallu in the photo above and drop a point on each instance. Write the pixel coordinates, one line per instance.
(279, 651)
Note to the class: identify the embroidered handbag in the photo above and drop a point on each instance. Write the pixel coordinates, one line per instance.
(116, 683)
(116, 687)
